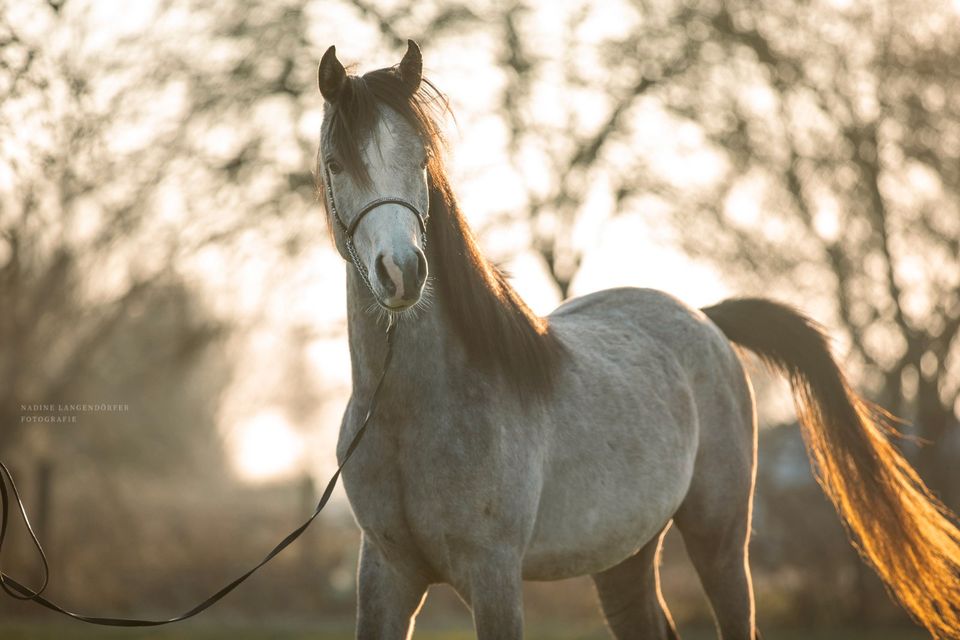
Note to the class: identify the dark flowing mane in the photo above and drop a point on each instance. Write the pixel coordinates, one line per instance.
(497, 328)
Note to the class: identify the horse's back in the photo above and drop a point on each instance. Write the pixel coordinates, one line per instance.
(658, 322)
(654, 312)
(651, 321)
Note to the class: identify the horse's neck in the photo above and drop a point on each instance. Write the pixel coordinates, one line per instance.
(424, 341)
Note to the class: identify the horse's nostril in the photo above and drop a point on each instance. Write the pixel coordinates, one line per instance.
(421, 267)
(390, 287)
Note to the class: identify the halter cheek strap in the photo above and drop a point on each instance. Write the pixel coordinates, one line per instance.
(351, 228)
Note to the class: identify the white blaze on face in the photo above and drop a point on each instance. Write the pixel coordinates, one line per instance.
(393, 155)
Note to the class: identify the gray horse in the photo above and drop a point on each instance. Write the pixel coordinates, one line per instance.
(510, 447)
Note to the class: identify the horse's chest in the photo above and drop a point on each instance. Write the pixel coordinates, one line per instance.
(419, 493)
(373, 480)
(379, 481)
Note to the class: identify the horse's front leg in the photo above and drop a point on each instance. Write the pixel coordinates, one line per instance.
(387, 597)
(496, 597)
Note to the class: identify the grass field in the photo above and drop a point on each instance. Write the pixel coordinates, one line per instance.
(344, 631)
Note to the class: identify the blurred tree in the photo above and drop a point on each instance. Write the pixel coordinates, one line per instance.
(844, 122)
(128, 148)
(91, 135)
(133, 147)
(857, 158)
(571, 135)
(813, 155)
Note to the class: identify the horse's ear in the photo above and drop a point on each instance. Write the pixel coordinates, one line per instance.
(331, 77)
(411, 67)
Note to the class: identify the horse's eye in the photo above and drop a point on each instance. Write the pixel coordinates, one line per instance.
(334, 166)
(425, 162)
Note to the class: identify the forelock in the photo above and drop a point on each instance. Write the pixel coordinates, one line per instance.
(348, 124)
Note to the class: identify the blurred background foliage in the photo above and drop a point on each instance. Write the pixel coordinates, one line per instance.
(161, 247)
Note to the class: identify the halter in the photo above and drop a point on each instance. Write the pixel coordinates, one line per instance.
(351, 228)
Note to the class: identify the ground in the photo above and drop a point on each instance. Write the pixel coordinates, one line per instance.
(205, 630)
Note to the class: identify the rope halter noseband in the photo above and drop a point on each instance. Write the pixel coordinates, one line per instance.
(349, 227)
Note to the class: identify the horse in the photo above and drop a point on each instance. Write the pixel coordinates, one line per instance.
(508, 446)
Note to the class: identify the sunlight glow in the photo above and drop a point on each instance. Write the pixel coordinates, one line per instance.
(266, 447)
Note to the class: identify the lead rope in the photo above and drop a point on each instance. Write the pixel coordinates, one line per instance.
(16, 590)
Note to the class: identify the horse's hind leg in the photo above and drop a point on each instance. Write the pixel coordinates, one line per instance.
(631, 599)
(719, 555)
(715, 522)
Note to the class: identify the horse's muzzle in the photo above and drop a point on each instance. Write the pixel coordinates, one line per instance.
(399, 276)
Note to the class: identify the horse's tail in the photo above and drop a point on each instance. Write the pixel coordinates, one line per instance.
(897, 525)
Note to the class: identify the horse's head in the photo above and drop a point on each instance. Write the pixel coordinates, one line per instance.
(376, 148)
